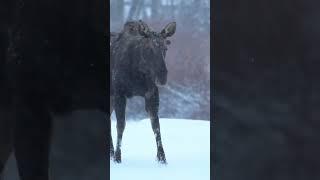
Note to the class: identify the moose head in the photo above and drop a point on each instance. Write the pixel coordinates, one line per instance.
(155, 45)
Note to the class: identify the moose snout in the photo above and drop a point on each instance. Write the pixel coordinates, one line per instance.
(162, 77)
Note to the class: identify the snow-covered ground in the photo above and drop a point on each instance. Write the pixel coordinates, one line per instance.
(186, 144)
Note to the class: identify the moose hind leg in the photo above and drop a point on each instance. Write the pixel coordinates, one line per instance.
(152, 106)
(119, 107)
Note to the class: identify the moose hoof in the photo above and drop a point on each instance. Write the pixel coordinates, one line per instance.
(117, 156)
(161, 157)
(111, 153)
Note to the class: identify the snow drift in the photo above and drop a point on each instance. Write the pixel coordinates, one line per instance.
(186, 144)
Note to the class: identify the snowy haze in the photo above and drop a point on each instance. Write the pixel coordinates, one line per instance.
(187, 93)
(186, 144)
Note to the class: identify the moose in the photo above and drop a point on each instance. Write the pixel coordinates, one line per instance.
(53, 62)
(137, 56)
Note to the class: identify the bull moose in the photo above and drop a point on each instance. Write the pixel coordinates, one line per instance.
(53, 62)
(137, 67)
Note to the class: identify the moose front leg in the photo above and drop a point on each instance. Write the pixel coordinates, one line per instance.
(111, 143)
(152, 107)
(120, 108)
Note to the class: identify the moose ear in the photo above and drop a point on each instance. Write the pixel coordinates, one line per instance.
(144, 29)
(169, 30)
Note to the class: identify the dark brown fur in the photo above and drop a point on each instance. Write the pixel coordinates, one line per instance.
(137, 64)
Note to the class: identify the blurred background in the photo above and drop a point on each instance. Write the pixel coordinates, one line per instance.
(187, 94)
(267, 90)
(77, 148)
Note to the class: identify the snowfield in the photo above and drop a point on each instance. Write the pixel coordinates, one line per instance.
(186, 144)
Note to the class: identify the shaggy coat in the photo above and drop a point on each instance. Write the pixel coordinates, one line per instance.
(137, 66)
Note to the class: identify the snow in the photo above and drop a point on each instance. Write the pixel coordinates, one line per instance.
(186, 144)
